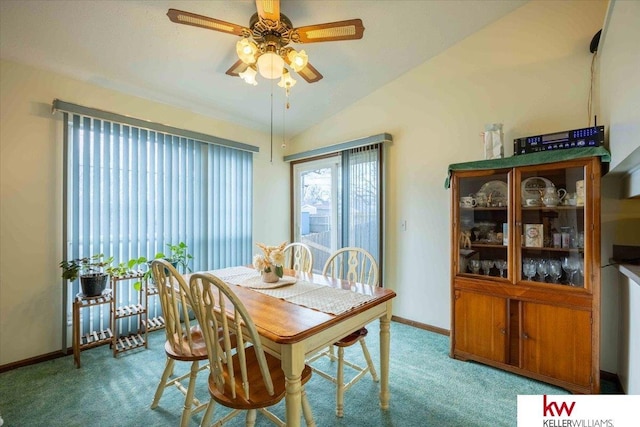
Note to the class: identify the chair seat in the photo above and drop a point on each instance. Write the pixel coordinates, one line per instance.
(179, 349)
(259, 397)
(352, 338)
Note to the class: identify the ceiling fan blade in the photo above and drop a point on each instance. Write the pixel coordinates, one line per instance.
(310, 74)
(351, 29)
(237, 68)
(268, 9)
(201, 21)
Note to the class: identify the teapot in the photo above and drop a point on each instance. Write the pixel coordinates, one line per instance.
(553, 197)
(481, 199)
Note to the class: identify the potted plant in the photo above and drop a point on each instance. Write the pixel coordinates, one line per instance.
(177, 256)
(91, 270)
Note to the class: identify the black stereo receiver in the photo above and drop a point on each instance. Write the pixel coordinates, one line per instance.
(587, 137)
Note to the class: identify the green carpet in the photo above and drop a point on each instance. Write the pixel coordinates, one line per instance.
(427, 389)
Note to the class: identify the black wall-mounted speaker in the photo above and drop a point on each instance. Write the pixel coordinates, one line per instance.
(593, 47)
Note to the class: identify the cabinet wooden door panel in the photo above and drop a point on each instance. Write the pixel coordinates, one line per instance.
(556, 342)
(480, 325)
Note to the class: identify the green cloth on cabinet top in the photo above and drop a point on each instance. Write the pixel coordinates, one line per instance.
(530, 159)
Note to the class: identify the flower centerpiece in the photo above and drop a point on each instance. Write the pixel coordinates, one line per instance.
(270, 262)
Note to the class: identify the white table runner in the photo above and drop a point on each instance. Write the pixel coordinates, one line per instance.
(318, 297)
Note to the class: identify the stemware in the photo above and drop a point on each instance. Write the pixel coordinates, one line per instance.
(474, 264)
(529, 268)
(555, 270)
(501, 265)
(581, 269)
(487, 264)
(542, 267)
(570, 266)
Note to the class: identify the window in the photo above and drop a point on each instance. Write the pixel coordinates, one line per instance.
(130, 191)
(337, 202)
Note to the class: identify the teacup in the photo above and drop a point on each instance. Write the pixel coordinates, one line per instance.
(468, 202)
(532, 202)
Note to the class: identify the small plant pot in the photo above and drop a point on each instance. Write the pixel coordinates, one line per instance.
(269, 277)
(93, 285)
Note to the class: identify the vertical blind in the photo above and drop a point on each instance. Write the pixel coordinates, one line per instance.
(130, 191)
(362, 199)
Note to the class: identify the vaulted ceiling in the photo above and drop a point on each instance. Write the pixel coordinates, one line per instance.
(131, 46)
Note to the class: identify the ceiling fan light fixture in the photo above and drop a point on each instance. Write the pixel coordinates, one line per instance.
(247, 50)
(297, 60)
(249, 76)
(270, 65)
(286, 81)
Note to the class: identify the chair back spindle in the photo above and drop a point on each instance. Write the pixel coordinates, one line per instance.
(298, 257)
(173, 300)
(217, 308)
(353, 264)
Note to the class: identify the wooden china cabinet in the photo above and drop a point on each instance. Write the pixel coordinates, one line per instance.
(525, 265)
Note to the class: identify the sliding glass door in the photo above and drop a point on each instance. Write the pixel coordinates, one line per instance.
(316, 207)
(337, 202)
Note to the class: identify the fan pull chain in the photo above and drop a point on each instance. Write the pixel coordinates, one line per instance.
(271, 154)
(284, 132)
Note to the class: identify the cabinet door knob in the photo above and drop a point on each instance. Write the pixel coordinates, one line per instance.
(525, 336)
(503, 331)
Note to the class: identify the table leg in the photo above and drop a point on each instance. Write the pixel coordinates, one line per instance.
(385, 340)
(292, 365)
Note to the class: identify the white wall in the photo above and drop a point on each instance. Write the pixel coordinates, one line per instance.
(529, 71)
(31, 195)
(619, 61)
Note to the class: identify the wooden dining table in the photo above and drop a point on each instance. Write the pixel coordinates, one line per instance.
(294, 332)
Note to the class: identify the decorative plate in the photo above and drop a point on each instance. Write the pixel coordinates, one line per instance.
(533, 188)
(497, 192)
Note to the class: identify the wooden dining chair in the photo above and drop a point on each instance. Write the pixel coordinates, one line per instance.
(184, 343)
(355, 265)
(298, 257)
(247, 379)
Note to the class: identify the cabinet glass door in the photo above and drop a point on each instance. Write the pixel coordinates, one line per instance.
(552, 219)
(482, 209)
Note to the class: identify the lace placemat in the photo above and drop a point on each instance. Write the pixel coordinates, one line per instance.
(318, 297)
(236, 275)
(330, 300)
(299, 288)
(257, 283)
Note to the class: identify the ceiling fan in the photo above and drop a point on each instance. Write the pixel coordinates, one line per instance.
(264, 46)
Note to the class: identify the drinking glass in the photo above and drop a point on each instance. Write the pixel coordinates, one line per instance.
(501, 265)
(555, 270)
(474, 264)
(570, 266)
(581, 269)
(542, 267)
(486, 266)
(529, 268)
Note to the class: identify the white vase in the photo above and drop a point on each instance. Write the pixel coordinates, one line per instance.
(270, 277)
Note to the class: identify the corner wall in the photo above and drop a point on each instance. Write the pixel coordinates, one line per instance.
(31, 195)
(619, 70)
(530, 71)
